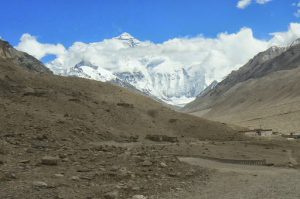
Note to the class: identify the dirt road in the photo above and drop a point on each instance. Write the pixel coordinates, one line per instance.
(232, 181)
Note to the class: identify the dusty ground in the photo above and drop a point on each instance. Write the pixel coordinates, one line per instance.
(247, 182)
(235, 181)
(93, 171)
(151, 169)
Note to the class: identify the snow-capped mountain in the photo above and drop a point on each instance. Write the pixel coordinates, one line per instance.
(128, 39)
(87, 70)
(152, 74)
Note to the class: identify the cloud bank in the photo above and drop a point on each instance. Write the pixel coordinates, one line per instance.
(216, 57)
(29, 44)
(242, 4)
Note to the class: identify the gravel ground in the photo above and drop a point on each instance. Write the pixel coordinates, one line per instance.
(244, 182)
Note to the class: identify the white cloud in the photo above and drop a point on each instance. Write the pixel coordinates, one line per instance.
(242, 4)
(286, 38)
(31, 45)
(297, 13)
(263, 1)
(215, 56)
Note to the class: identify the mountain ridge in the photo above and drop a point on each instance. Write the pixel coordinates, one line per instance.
(22, 59)
(254, 96)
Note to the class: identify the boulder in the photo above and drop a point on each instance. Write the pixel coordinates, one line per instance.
(49, 160)
(112, 195)
(139, 197)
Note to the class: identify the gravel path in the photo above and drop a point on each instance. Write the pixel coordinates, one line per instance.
(231, 181)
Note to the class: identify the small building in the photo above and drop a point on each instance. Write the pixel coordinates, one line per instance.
(258, 132)
(292, 136)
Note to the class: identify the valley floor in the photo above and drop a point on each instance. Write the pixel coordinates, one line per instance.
(246, 182)
(152, 169)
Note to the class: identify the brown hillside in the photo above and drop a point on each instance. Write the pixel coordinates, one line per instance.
(263, 93)
(79, 109)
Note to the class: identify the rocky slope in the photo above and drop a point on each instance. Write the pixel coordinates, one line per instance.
(19, 58)
(263, 93)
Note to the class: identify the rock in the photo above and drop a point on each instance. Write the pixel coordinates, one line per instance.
(58, 175)
(112, 195)
(40, 184)
(3, 150)
(24, 161)
(62, 156)
(65, 160)
(88, 177)
(83, 169)
(75, 178)
(124, 172)
(29, 150)
(10, 176)
(147, 163)
(41, 137)
(49, 160)
(139, 197)
(28, 91)
(135, 188)
(162, 164)
(114, 168)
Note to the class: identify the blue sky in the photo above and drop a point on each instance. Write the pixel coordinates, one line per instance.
(67, 21)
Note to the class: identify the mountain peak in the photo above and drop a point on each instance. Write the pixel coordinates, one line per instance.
(8, 52)
(125, 35)
(2, 42)
(4, 49)
(128, 39)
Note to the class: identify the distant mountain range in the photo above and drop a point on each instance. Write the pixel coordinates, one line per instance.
(151, 75)
(263, 93)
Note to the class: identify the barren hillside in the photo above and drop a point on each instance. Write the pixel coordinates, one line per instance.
(263, 93)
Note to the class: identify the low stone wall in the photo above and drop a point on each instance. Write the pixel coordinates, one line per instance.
(161, 138)
(234, 161)
(246, 162)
